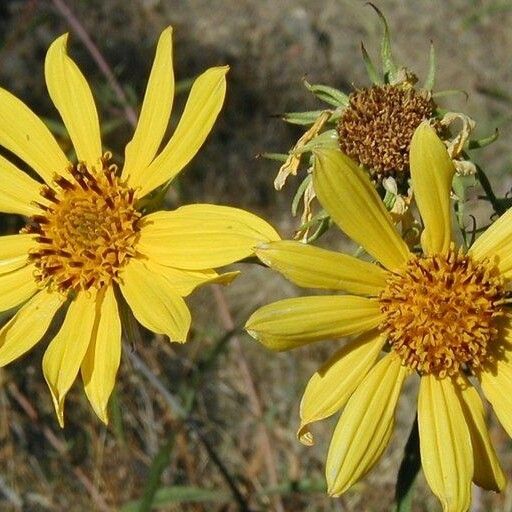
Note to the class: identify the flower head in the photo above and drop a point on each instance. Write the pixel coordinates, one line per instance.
(440, 313)
(85, 235)
(374, 126)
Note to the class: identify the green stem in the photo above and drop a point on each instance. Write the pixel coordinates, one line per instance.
(409, 468)
(491, 196)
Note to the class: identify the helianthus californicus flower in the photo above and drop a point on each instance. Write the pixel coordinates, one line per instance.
(441, 314)
(85, 236)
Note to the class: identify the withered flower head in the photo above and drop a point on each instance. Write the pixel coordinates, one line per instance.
(377, 127)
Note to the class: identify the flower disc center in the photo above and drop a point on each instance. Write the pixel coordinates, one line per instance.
(88, 230)
(440, 311)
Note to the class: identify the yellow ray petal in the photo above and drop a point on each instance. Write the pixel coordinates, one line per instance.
(290, 323)
(73, 99)
(332, 385)
(65, 353)
(365, 426)
(488, 472)
(496, 242)
(14, 251)
(184, 282)
(23, 133)
(155, 112)
(351, 200)
(313, 267)
(18, 191)
(432, 173)
(445, 443)
(28, 325)
(154, 301)
(101, 361)
(497, 387)
(17, 286)
(203, 106)
(202, 236)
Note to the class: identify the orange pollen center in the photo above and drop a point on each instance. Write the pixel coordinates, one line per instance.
(88, 230)
(440, 311)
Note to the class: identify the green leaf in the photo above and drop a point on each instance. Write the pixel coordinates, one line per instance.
(328, 94)
(409, 468)
(299, 194)
(278, 157)
(449, 92)
(389, 68)
(302, 118)
(370, 67)
(431, 75)
(327, 139)
(181, 494)
(485, 141)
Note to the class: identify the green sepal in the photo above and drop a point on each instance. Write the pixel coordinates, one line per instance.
(277, 157)
(431, 75)
(300, 192)
(484, 141)
(328, 94)
(302, 118)
(389, 68)
(373, 74)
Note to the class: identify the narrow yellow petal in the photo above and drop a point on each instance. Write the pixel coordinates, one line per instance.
(154, 301)
(73, 99)
(101, 361)
(313, 267)
(16, 287)
(65, 353)
(28, 325)
(488, 472)
(345, 191)
(445, 443)
(155, 112)
(23, 133)
(432, 173)
(496, 242)
(365, 426)
(14, 251)
(497, 387)
(290, 323)
(202, 236)
(184, 282)
(18, 190)
(332, 385)
(203, 106)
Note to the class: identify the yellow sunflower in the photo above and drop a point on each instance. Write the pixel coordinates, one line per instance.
(84, 235)
(440, 314)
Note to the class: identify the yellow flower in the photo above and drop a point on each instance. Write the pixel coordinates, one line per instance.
(85, 237)
(441, 314)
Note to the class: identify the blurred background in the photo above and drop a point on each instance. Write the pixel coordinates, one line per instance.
(236, 448)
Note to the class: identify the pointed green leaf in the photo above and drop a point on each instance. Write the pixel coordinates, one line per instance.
(370, 67)
(328, 94)
(431, 75)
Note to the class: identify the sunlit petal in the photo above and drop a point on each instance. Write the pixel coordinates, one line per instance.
(365, 426)
(313, 267)
(154, 301)
(154, 114)
(28, 325)
(73, 99)
(332, 385)
(290, 323)
(23, 133)
(65, 353)
(347, 194)
(432, 173)
(202, 236)
(445, 443)
(203, 106)
(101, 361)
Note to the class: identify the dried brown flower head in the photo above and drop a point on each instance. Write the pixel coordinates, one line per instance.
(377, 127)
